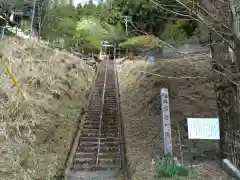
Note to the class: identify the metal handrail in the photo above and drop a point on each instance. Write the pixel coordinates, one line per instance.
(230, 169)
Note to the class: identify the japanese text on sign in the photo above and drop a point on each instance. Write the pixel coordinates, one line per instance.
(166, 122)
(203, 128)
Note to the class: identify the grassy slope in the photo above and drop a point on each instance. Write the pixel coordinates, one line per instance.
(36, 134)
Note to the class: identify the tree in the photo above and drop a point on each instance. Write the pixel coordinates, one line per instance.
(60, 23)
(217, 16)
(92, 31)
(87, 10)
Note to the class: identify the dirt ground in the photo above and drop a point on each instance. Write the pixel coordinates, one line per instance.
(36, 133)
(190, 85)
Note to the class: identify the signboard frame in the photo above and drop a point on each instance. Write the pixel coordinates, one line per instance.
(203, 128)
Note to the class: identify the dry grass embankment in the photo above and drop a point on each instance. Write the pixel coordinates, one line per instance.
(189, 97)
(36, 133)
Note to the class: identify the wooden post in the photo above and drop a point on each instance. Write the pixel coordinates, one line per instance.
(180, 144)
(3, 32)
(167, 136)
(114, 53)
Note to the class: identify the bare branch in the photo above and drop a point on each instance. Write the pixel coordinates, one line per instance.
(173, 77)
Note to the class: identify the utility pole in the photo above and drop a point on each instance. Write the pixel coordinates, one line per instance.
(33, 15)
(126, 18)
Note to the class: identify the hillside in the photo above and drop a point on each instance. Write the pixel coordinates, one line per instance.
(36, 133)
(191, 94)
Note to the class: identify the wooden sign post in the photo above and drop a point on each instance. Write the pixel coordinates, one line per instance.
(167, 135)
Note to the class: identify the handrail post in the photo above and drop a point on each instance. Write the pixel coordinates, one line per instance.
(230, 169)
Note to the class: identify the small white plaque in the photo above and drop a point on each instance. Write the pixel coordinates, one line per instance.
(203, 128)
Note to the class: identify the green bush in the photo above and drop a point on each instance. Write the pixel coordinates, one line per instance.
(168, 167)
(6, 32)
(142, 42)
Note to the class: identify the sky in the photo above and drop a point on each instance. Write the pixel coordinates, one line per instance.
(76, 2)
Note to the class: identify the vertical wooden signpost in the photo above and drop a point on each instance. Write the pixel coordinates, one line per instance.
(167, 135)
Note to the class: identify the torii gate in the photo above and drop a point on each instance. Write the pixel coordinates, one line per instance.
(105, 49)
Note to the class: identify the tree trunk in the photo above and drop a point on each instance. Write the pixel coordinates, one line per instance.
(225, 88)
(226, 93)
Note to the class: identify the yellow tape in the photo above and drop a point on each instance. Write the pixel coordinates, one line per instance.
(12, 77)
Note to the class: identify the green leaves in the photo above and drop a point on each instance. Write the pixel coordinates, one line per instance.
(168, 167)
(91, 31)
(60, 23)
(91, 27)
(89, 24)
(141, 42)
(114, 33)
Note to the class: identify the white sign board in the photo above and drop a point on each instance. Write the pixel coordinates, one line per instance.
(167, 136)
(203, 128)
